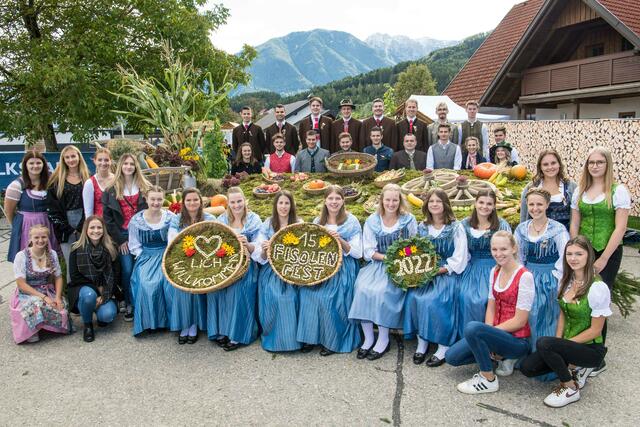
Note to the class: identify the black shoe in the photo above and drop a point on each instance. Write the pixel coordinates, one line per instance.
(600, 369)
(102, 324)
(128, 314)
(374, 355)
(306, 348)
(326, 352)
(363, 353)
(418, 358)
(182, 339)
(88, 335)
(231, 346)
(434, 362)
(222, 341)
(192, 340)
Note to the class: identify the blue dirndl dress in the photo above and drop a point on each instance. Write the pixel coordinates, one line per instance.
(376, 298)
(432, 310)
(186, 308)
(152, 292)
(233, 313)
(474, 281)
(278, 302)
(324, 308)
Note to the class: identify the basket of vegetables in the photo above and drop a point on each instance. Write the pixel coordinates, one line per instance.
(352, 164)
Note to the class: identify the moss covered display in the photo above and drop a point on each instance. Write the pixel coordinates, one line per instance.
(309, 206)
(411, 263)
(304, 254)
(204, 257)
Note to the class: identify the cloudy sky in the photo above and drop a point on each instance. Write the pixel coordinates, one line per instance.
(255, 21)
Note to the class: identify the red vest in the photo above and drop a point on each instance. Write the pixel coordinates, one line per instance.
(506, 303)
(280, 164)
(97, 197)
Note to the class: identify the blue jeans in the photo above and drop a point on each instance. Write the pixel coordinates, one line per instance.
(87, 306)
(126, 268)
(480, 340)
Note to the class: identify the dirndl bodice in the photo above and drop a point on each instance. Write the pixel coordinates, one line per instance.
(561, 211)
(479, 247)
(153, 239)
(444, 243)
(386, 239)
(544, 251)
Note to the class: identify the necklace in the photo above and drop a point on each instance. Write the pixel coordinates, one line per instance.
(36, 257)
(533, 225)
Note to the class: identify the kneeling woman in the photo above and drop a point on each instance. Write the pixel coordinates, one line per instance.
(148, 237)
(324, 308)
(377, 300)
(505, 331)
(37, 302)
(232, 316)
(585, 303)
(278, 301)
(92, 274)
(188, 311)
(431, 311)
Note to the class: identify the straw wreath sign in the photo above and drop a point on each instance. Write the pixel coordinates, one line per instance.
(205, 257)
(411, 263)
(304, 254)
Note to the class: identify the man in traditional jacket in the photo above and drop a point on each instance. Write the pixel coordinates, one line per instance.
(432, 132)
(286, 129)
(474, 127)
(409, 158)
(316, 121)
(388, 126)
(412, 124)
(312, 158)
(250, 132)
(348, 124)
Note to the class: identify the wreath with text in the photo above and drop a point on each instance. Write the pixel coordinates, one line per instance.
(411, 263)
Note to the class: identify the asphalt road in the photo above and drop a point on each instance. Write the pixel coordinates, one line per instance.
(121, 380)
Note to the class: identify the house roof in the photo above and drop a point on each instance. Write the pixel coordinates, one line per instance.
(485, 65)
(292, 110)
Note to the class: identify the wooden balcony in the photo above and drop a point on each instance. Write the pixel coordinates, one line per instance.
(604, 72)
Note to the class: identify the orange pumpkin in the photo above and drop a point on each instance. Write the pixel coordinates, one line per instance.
(519, 172)
(484, 170)
(219, 200)
(316, 184)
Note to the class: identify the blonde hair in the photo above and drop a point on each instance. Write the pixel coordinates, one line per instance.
(47, 249)
(138, 178)
(402, 209)
(102, 150)
(586, 180)
(230, 217)
(442, 104)
(510, 237)
(105, 240)
(341, 217)
(538, 191)
(61, 171)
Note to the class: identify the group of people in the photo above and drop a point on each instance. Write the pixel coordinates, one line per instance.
(410, 143)
(536, 297)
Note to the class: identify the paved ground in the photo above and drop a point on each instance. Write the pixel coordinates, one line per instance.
(123, 380)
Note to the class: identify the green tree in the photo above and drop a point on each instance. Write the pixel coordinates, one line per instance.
(415, 80)
(58, 58)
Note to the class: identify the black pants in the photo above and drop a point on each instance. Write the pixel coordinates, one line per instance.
(608, 275)
(555, 354)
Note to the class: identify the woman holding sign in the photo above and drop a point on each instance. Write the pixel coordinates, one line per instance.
(479, 227)
(377, 300)
(324, 308)
(188, 311)
(431, 311)
(278, 301)
(236, 321)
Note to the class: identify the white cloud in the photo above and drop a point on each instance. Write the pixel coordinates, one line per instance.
(255, 21)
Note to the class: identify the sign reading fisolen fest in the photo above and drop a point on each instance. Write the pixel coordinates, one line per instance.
(204, 257)
(304, 254)
(411, 263)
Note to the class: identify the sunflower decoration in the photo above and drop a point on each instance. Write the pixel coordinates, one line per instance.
(290, 239)
(324, 241)
(188, 245)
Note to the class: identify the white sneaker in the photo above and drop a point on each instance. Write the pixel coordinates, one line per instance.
(581, 375)
(34, 338)
(505, 367)
(478, 384)
(562, 396)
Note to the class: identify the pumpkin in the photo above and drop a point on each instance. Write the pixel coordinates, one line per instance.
(316, 184)
(215, 210)
(484, 170)
(219, 200)
(518, 172)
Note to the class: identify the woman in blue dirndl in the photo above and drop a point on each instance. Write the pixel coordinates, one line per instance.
(324, 308)
(377, 300)
(237, 321)
(148, 238)
(431, 311)
(278, 301)
(541, 243)
(479, 228)
(188, 311)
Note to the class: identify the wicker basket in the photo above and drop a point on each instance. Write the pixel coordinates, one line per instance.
(354, 197)
(397, 179)
(264, 195)
(315, 191)
(169, 178)
(368, 160)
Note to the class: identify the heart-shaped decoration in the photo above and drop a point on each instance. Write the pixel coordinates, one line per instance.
(207, 242)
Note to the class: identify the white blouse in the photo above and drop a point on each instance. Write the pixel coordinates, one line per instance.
(135, 247)
(621, 198)
(14, 191)
(457, 262)
(599, 299)
(355, 242)
(526, 289)
(20, 265)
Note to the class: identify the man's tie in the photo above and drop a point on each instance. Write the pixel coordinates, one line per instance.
(412, 165)
(345, 127)
(378, 122)
(279, 127)
(315, 123)
(313, 161)
(410, 126)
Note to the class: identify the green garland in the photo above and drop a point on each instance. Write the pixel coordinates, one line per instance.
(415, 249)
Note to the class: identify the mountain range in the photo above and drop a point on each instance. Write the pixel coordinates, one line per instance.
(305, 59)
